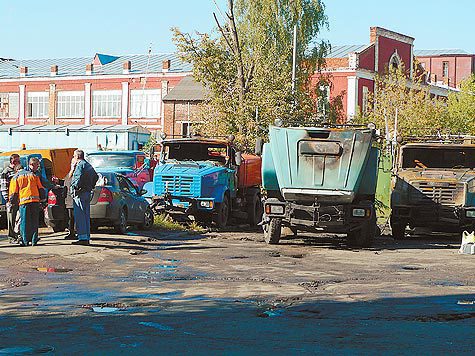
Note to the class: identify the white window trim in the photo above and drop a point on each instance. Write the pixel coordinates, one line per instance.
(145, 92)
(17, 109)
(37, 94)
(104, 93)
(69, 94)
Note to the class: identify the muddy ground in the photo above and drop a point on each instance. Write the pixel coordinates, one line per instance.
(229, 292)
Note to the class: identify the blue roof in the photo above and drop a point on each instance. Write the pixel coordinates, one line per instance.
(111, 65)
(439, 52)
(344, 51)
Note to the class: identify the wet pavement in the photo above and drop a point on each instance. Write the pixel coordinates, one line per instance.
(231, 294)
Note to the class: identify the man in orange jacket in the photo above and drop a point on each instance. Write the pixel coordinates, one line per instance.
(27, 190)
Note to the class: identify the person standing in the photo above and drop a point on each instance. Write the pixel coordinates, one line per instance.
(68, 201)
(12, 209)
(83, 181)
(27, 191)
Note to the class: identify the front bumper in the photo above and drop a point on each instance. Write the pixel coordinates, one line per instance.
(173, 203)
(435, 215)
(332, 218)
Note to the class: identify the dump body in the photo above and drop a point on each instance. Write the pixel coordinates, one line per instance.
(198, 176)
(434, 187)
(320, 176)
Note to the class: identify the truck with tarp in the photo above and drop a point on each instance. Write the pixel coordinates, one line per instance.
(208, 180)
(434, 184)
(320, 179)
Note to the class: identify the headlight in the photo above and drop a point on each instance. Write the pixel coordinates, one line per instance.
(206, 204)
(470, 213)
(275, 209)
(359, 212)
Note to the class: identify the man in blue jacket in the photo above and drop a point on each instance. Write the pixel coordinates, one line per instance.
(83, 182)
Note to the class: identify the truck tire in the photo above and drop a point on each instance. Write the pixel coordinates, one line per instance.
(222, 213)
(363, 236)
(272, 231)
(255, 210)
(398, 228)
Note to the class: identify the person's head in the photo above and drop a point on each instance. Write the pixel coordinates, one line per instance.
(18, 167)
(14, 159)
(78, 155)
(34, 164)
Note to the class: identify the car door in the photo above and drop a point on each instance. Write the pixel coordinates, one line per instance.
(129, 193)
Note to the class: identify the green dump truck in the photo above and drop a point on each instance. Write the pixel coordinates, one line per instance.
(320, 179)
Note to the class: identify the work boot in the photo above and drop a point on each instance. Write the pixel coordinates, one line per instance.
(81, 242)
(71, 236)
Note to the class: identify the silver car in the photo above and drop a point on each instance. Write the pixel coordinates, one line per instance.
(117, 202)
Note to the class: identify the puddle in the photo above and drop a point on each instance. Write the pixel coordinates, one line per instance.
(444, 317)
(105, 309)
(466, 302)
(53, 270)
(166, 266)
(447, 284)
(156, 325)
(274, 254)
(411, 268)
(27, 350)
(172, 260)
(237, 257)
(271, 313)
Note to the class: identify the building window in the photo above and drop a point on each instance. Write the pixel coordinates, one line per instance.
(186, 129)
(145, 103)
(9, 105)
(37, 104)
(364, 104)
(445, 69)
(395, 61)
(70, 104)
(106, 103)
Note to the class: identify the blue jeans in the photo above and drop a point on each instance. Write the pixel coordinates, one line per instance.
(82, 215)
(29, 222)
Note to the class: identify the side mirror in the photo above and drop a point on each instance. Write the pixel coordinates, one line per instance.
(238, 158)
(146, 163)
(143, 191)
(258, 148)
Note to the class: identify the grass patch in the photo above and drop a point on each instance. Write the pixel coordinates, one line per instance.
(166, 222)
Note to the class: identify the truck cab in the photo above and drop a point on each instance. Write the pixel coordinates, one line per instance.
(434, 185)
(208, 180)
(320, 179)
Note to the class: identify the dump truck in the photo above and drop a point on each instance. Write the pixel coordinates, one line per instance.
(207, 180)
(434, 185)
(320, 179)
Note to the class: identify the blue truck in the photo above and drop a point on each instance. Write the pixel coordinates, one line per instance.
(320, 179)
(207, 180)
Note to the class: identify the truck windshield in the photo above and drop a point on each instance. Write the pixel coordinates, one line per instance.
(111, 160)
(195, 152)
(435, 157)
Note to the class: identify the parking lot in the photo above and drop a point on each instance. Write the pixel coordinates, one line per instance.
(229, 291)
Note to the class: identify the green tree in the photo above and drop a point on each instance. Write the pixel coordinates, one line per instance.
(399, 104)
(462, 107)
(246, 64)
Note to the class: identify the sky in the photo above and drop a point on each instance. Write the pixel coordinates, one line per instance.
(71, 28)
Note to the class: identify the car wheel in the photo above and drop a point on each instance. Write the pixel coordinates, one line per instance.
(121, 226)
(148, 220)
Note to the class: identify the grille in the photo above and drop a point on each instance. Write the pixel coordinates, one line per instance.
(178, 185)
(443, 193)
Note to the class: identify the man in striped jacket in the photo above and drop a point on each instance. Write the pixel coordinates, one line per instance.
(27, 190)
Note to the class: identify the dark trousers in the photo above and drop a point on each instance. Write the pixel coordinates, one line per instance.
(82, 215)
(29, 221)
(11, 218)
(71, 221)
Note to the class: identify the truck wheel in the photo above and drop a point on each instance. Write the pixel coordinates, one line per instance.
(221, 218)
(364, 236)
(272, 231)
(255, 210)
(398, 228)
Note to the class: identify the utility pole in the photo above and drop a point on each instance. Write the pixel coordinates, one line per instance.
(294, 61)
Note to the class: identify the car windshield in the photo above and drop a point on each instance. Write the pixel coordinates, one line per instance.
(435, 157)
(111, 160)
(191, 151)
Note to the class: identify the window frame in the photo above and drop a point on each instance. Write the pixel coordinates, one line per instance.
(16, 106)
(112, 103)
(72, 104)
(43, 105)
(143, 97)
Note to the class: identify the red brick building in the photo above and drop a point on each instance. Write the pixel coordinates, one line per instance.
(103, 90)
(351, 69)
(446, 67)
